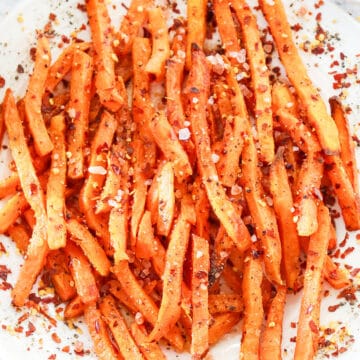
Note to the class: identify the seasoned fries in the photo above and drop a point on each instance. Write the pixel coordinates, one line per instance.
(164, 189)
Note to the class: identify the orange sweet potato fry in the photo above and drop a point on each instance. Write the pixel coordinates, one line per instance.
(160, 43)
(105, 58)
(308, 326)
(78, 111)
(74, 308)
(199, 288)
(12, 209)
(82, 274)
(221, 325)
(55, 193)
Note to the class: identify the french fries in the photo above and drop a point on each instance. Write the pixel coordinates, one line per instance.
(178, 184)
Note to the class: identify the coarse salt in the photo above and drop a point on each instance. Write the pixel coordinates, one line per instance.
(72, 113)
(239, 56)
(97, 170)
(184, 134)
(215, 158)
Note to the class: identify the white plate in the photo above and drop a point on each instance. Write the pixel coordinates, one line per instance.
(17, 36)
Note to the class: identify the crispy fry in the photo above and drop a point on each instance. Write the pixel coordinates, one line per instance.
(221, 325)
(196, 15)
(55, 200)
(91, 248)
(13, 208)
(317, 114)
(82, 274)
(253, 308)
(170, 309)
(33, 98)
(283, 203)
(349, 200)
(19, 234)
(347, 152)
(223, 303)
(78, 111)
(38, 248)
(262, 214)
(168, 142)
(131, 23)
(62, 65)
(198, 85)
(100, 337)
(117, 325)
(199, 287)
(308, 327)
(105, 58)
(143, 302)
(272, 335)
(259, 78)
(74, 308)
(160, 43)
(150, 350)
(10, 185)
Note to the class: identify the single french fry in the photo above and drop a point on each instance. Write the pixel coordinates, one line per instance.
(105, 58)
(202, 208)
(142, 107)
(160, 43)
(308, 326)
(168, 142)
(10, 185)
(150, 350)
(78, 111)
(38, 248)
(221, 325)
(283, 203)
(33, 98)
(74, 308)
(272, 335)
(143, 302)
(223, 303)
(253, 308)
(349, 200)
(82, 274)
(228, 33)
(21, 237)
(55, 193)
(146, 245)
(117, 325)
(334, 275)
(89, 245)
(131, 23)
(139, 190)
(116, 290)
(262, 214)
(62, 65)
(98, 332)
(196, 31)
(199, 288)
(259, 78)
(166, 201)
(57, 267)
(347, 152)
(316, 111)
(96, 176)
(12, 209)
(198, 88)
(170, 309)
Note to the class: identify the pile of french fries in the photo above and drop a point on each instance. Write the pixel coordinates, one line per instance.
(149, 183)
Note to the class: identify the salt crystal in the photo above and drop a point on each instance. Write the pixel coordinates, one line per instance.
(215, 158)
(184, 134)
(72, 113)
(97, 170)
(239, 56)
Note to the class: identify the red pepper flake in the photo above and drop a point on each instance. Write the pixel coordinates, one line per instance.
(313, 327)
(55, 338)
(23, 318)
(52, 16)
(31, 329)
(65, 39)
(333, 308)
(5, 286)
(19, 329)
(318, 17)
(342, 56)
(293, 339)
(326, 293)
(348, 294)
(346, 238)
(79, 347)
(319, 4)
(296, 27)
(4, 272)
(52, 357)
(329, 331)
(293, 325)
(2, 82)
(81, 7)
(66, 349)
(348, 251)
